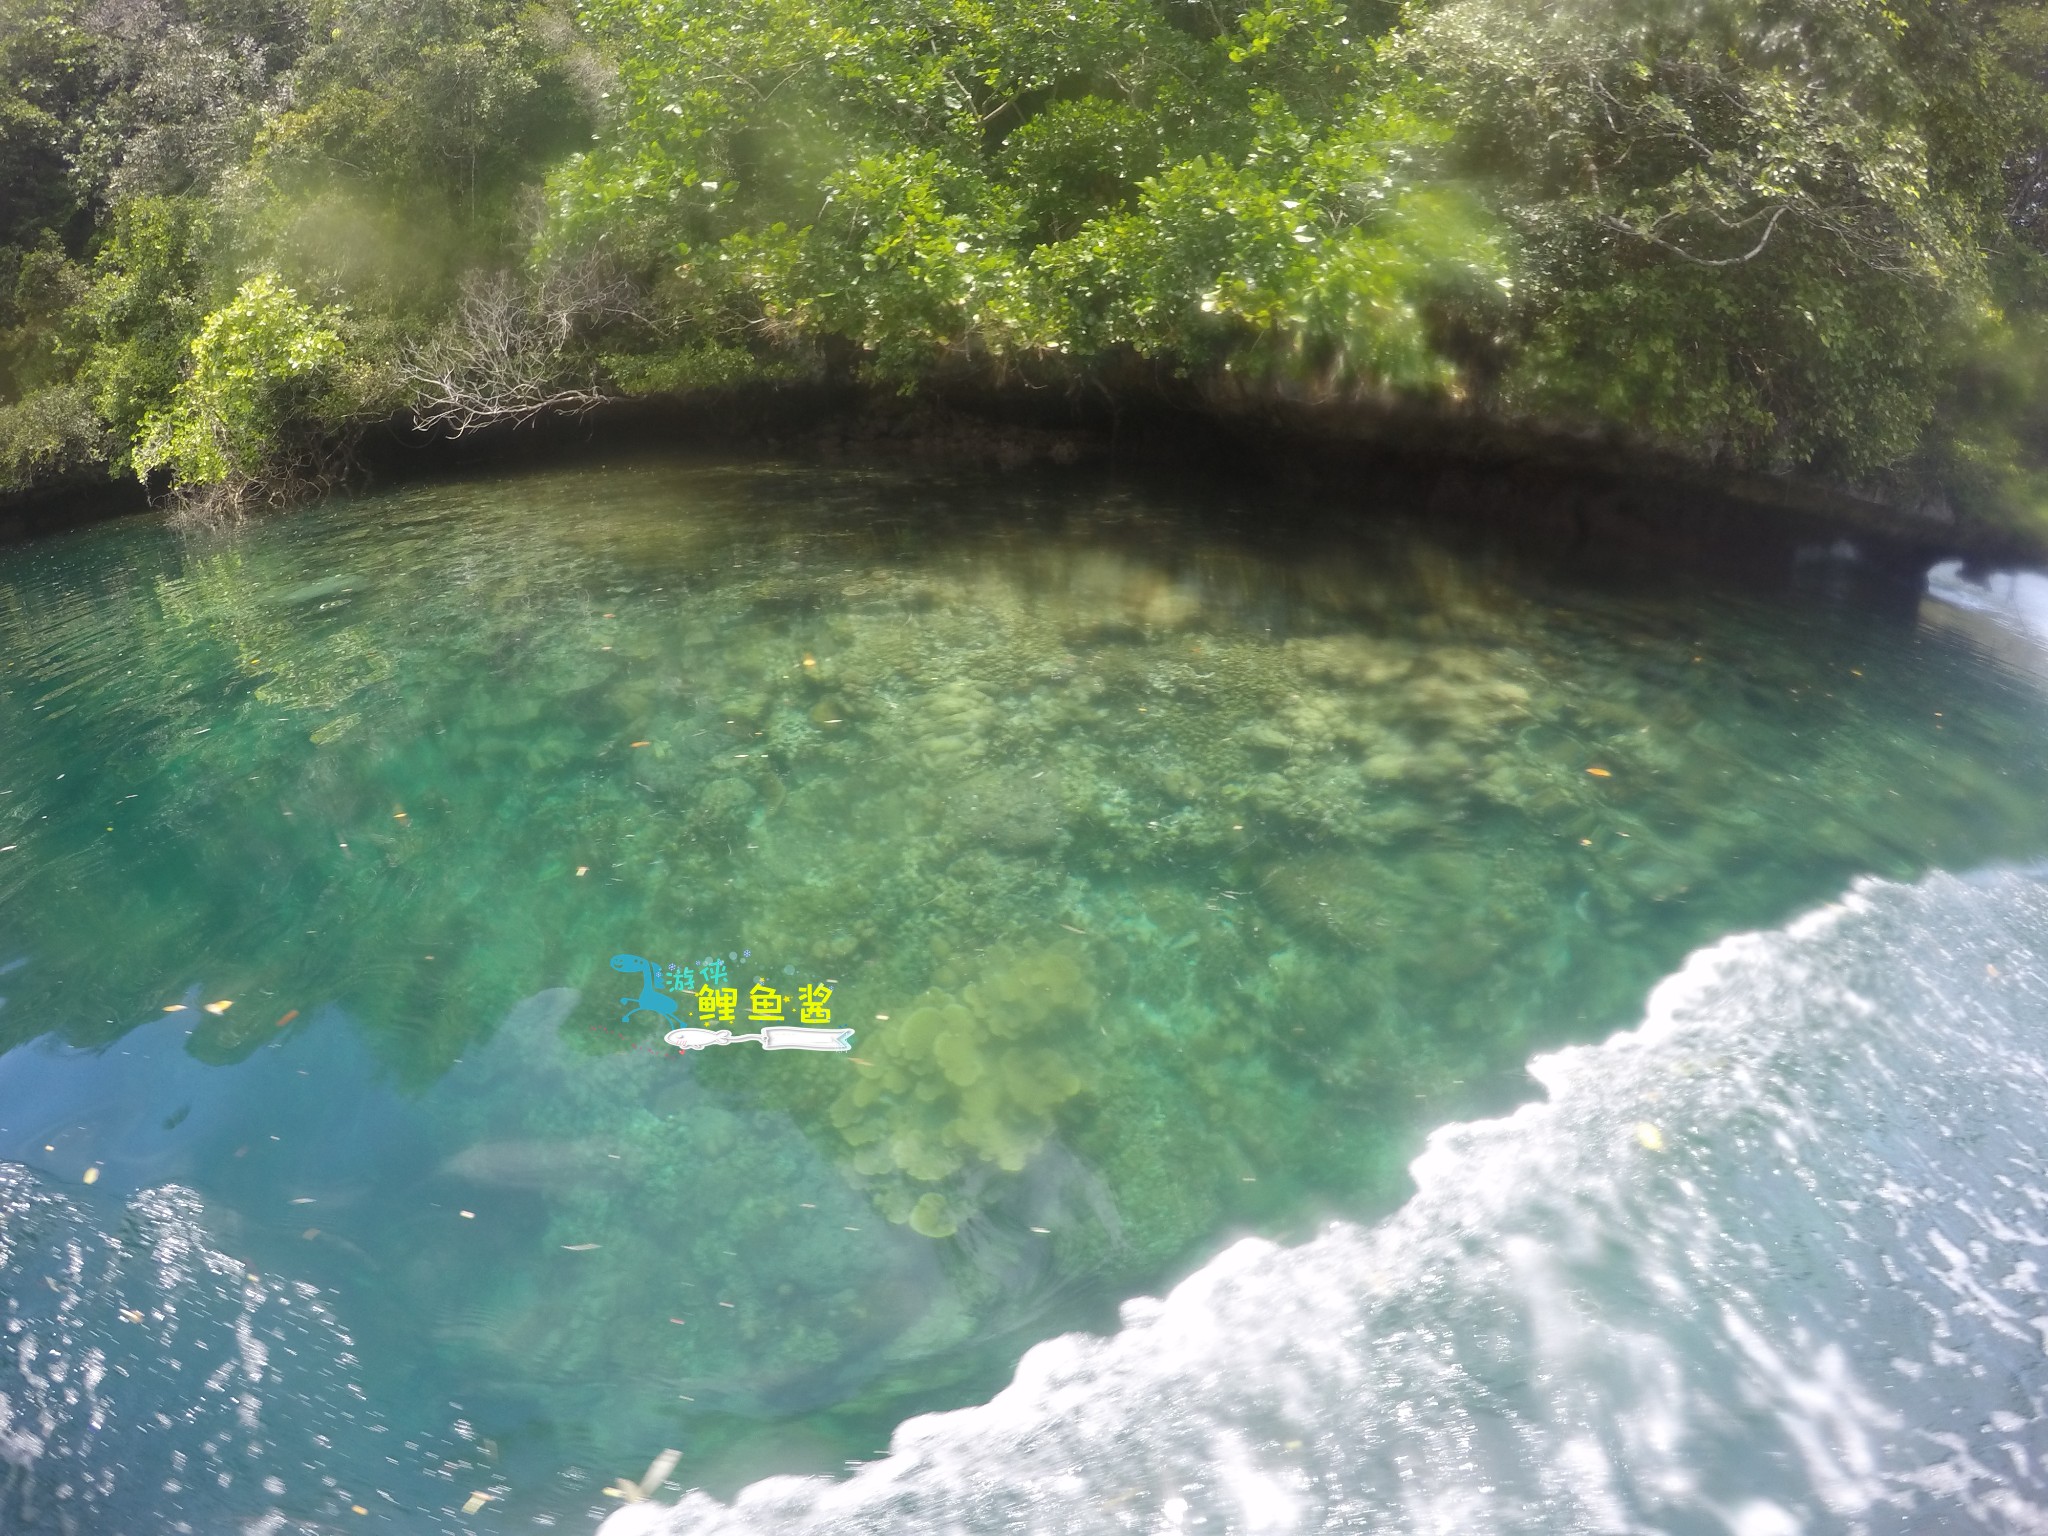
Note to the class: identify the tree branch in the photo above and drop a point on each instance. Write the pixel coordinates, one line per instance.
(1626, 228)
(510, 354)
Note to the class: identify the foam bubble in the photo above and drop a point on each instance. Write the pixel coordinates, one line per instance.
(140, 1387)
(1812, 1301)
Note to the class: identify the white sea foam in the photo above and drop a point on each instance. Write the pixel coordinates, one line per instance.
(2018, 600)
(1770, 1263)
(141, 1389)
(1774, 1262)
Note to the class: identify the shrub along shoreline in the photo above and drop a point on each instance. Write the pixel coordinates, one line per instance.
(1795, 251)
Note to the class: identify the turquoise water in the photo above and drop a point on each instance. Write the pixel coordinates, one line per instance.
(1176, 876)
(1767, 1264)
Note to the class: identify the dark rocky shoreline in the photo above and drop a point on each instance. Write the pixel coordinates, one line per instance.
(1549, 494)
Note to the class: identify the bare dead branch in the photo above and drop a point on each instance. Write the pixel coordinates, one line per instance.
(1626, 228)
(513, 350)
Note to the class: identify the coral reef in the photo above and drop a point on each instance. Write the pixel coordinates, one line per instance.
(1196, 877)
(965, 1079)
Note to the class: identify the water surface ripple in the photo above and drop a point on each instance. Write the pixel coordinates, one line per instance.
(1179, 859)
(1769, 1263)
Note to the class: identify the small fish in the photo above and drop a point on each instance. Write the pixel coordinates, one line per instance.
(541, 1013)
(532, 1164)
(353, 1250)
(326, 586)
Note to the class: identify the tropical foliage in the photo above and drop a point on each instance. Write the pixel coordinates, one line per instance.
(1783, 235)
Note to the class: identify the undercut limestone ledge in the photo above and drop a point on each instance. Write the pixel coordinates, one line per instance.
(1571, 492)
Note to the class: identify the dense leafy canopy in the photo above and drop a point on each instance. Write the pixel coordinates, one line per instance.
(1787, 235)
(985, 185)
(254, 360)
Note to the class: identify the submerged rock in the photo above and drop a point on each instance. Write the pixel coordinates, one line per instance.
(1013, 812)
(723, 808)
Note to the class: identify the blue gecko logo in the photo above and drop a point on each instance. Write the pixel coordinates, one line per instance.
(651, 999)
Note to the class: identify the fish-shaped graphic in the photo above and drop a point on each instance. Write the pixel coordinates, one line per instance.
(777, 1037)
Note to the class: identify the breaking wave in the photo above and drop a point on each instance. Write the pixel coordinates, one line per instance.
(1769, 1263)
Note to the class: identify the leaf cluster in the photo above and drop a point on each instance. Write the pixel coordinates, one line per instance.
(1790, 235)
(255, 364)
(954, 187)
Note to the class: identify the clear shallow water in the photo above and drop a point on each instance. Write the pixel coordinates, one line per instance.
(1198, 872)
(1771, 1263)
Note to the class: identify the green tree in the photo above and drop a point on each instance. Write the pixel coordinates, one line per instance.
(411, 131)
(949, 186)
(50, 86)
(147, 297)
(1791, 235)
(255, 365)
(1757, 230)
